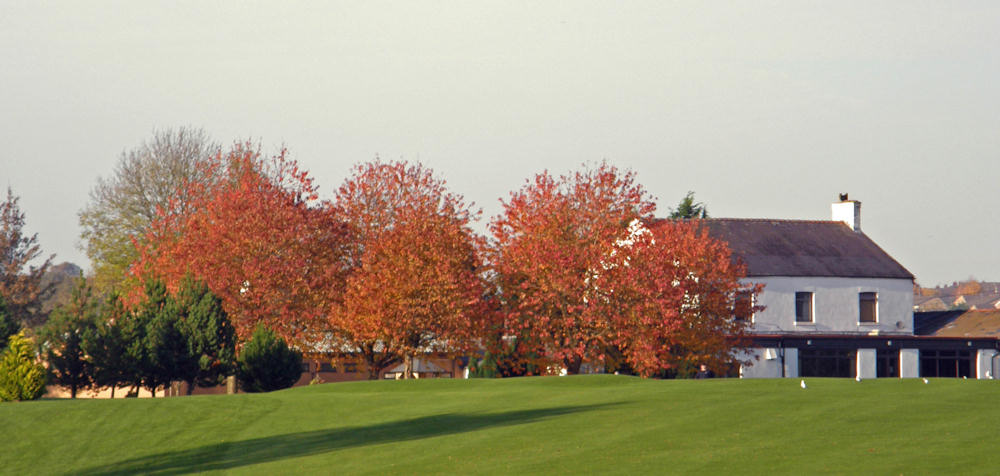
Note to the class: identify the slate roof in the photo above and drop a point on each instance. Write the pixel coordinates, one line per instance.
(804, 248)
(957, 324)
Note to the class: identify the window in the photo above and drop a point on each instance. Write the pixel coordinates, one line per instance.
(827, 362)
(327, 367)
(868, 307)
(743, 306)
(886, 363)
(946, 363)
(351, 367)
(803, 307)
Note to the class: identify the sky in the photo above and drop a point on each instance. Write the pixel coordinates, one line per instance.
(763, 109)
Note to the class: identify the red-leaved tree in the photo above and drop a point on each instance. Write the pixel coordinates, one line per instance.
(676, 297)
(581, 279)
(551, 242)
(261, 241)
(415, 283)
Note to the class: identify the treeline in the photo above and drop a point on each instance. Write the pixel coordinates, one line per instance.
(576, 269)
(101, 344)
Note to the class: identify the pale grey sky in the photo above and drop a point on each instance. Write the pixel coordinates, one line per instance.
(764, 109)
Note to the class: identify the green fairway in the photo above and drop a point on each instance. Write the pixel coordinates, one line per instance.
(589, 424)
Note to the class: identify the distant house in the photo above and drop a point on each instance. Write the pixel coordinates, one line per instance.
(929, 303)
(836, 304)
(958, 324)
(976, 301)
(963, 328)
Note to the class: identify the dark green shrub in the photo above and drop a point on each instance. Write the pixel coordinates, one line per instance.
(62, 339)
(211, 338)
(8, 325)
(266, 363)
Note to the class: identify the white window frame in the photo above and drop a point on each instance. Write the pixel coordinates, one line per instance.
(812, 308)
(868, 323)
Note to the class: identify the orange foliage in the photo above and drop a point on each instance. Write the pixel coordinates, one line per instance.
(927, 292)
(677, 294)
(969, 288)
(551, 243)
(583, 281)
(259, 239)
(415, 282)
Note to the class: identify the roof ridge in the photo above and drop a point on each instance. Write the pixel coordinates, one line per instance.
(789, 220)
(791, 247)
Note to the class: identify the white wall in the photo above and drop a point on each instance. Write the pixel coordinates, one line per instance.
(909, 363)
(984, 364)
(835, 305)
(866, 364)
(767, 367)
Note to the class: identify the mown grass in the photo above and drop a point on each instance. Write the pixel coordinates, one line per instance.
(587, 424)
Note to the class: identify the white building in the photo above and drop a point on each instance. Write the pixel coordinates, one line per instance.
(837, 305)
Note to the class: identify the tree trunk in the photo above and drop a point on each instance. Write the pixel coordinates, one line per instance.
(373, 370)
(407, 366)
(112, 391)
(190, 388)
(72, 391)
(573, 364)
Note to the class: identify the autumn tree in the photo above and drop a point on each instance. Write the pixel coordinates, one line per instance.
(969, 287)
(63, 337)
(260, 240)
(676, 298)
(552, 242)
(122, 206)
(20, 280)
(583, 276)
(414, 284)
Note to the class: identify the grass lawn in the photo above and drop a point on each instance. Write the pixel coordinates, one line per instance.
(586, 424)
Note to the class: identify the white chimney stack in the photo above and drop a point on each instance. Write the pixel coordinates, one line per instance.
(847, 211)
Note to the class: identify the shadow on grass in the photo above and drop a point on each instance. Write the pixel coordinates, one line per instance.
(292, 445)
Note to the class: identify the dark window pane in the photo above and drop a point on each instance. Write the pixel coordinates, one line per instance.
(827, 362)
(887, 363)
(868, 307)
(946, 363)
(803, 307)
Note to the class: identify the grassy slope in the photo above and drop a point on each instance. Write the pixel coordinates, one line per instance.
(552, 425)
